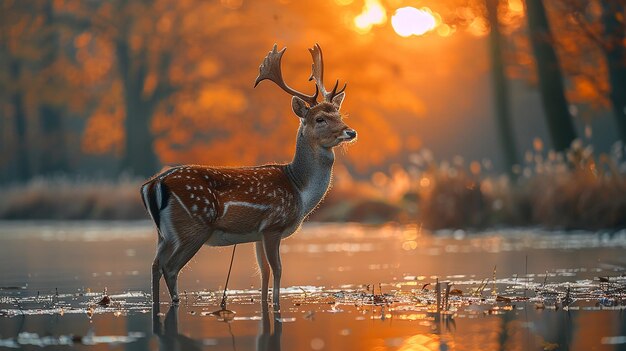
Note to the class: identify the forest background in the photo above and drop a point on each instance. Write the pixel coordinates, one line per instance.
(470, 113)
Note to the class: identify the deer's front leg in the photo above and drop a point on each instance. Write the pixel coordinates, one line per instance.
(271, 243)
(265, 270)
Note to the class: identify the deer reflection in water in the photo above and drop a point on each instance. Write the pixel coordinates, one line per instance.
(268, 337)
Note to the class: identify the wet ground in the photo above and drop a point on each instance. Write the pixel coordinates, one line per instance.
(345, 287)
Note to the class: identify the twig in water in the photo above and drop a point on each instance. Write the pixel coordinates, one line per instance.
(526, 287)
(568, 299)
(493, 291)
(481, 287)
(438, 293)
(447, 296)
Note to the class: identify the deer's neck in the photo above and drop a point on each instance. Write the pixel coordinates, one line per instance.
(310, 171)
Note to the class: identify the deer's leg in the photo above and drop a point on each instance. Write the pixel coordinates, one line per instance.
(170, 274)
(264, 267)
(157, 273)
(271, 243)
(184, 251)
(156, 277)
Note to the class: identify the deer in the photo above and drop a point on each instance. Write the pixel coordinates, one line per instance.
(194, 205)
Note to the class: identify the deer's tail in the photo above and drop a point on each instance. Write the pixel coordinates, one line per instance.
(154, 195)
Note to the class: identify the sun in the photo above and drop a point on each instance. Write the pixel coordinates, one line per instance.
(409, 21)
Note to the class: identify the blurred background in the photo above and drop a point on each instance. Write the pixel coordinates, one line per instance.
(470, 113)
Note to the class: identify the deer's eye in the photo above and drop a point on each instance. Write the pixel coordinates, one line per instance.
(320, 120)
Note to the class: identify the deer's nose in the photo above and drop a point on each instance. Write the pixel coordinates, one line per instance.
(351, 133)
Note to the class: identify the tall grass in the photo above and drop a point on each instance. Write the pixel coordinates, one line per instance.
(576, 189)
(573, 190)
(63, 198)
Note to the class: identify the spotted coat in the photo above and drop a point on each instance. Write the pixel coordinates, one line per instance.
(237, 201)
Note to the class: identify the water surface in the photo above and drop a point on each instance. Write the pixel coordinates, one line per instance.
(345, 287)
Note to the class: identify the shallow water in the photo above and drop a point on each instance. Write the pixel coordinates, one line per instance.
(346, 287)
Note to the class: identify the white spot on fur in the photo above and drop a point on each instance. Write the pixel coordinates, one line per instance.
(181, 204)
(259, 207)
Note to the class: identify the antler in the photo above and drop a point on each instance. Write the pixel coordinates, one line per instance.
(271, 69)
(317, 73)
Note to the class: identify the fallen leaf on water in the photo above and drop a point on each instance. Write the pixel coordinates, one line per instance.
(502, 299)
(456, 292)
(225, 315)
(105, 301)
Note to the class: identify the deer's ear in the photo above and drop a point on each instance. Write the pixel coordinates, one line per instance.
(299, 107)
(338, 99)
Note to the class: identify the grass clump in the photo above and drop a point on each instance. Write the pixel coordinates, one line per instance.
(63, 198)
(572, 190)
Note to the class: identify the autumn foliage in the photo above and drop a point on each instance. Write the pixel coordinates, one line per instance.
(107, 88)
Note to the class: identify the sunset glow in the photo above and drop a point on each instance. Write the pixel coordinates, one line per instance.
(409, 21)
(373, 14)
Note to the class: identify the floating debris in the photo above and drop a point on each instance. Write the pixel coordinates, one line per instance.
(104, 301)
(223, 315)
(608, 293)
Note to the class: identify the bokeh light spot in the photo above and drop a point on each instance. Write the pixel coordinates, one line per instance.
(373, 14)
(409, 21)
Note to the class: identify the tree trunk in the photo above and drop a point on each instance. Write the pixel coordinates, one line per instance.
(54, 155)
(500, 89)
(614, 32)
(560, 124)
(53, 141)
(139, 157)
(17, 99)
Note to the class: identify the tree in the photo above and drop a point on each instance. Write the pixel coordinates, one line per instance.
(500, 88)
(592, 44)
(52, 109)
(13, 20)
(614, 35)
(37, 88)
(560, 125)
(158, 47)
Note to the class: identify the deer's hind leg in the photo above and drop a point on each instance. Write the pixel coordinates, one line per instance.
(264, 267)
(179, 258)
(156, 273)
(182, 239)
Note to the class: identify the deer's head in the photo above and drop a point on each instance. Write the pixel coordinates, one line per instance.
(322, 122)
